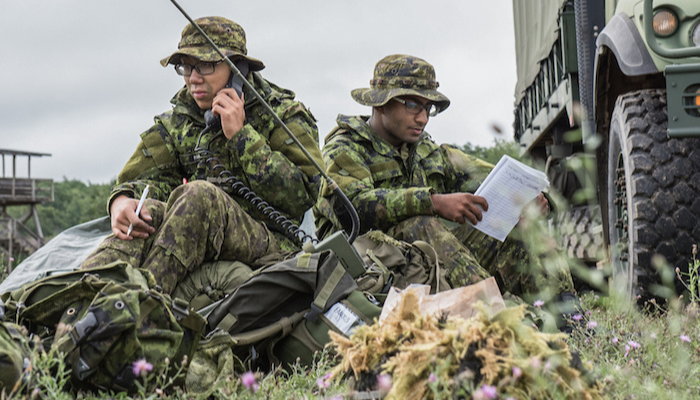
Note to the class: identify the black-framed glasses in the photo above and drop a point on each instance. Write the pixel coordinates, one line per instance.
(415, 108)
(203, 68)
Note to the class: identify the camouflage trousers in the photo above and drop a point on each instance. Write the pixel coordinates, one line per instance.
(470, 256)
(199, 223)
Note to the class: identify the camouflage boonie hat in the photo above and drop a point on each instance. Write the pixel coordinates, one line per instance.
(401, 75)
(226, 34)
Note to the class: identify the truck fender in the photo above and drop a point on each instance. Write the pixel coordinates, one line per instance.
(621, 36)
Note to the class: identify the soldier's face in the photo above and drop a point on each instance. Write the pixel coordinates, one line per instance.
(397, 125)
(203, 88)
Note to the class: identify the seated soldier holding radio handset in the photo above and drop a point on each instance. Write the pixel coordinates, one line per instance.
(190, 216)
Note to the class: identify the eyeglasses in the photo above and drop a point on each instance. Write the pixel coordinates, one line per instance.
(203, 68)
(415, 108)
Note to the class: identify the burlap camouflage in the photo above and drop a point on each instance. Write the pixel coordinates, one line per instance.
(227, 35)
(199, 223)
(391, 187)
(262, 155)
(401, 75)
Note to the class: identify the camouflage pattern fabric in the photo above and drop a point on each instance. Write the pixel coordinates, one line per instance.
(391, 187)
(261, 155)
(227, 35)
(401, 75)
(12, 355)
(199, 223)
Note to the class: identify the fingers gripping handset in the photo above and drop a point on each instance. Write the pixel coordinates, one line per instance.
(214, 122)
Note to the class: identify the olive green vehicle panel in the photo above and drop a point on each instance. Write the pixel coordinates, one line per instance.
(536, 30)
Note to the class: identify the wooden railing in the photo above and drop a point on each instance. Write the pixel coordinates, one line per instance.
(16, 191)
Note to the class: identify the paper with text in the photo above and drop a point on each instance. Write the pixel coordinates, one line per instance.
(508, 188)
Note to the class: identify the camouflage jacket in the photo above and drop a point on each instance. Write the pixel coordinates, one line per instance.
(261, 155)
(387, 184)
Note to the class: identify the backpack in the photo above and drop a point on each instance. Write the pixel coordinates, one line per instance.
(105, 319)
(284, 312)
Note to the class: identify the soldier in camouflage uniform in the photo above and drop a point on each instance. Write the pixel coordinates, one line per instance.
(204, 219)
(400, 182)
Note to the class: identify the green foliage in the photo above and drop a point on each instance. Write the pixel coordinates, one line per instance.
(74, 203)
(495, 152)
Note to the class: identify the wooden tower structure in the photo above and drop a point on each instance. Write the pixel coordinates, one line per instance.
(15, 236)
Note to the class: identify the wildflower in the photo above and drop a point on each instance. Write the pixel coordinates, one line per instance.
(432, 378)
(535, 363)
(324, 381)
(538, 303)
(12, 259)
(250, 381)
(142, 367)
(486, 392)
(685, 338)
(627, 350)
(384, 383)
(615, 340)
(633, 344)
(577, 317)
(592, 324)
(652, 335)
(517, 372)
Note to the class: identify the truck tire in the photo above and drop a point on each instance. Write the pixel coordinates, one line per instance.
(653, 182)
(581, 233)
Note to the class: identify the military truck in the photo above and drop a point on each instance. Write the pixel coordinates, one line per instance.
(615, 85)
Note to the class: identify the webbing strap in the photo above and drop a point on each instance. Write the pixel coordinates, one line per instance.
(322, 299)
(227, 322)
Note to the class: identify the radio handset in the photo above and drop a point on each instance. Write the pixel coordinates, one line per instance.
(212, 121)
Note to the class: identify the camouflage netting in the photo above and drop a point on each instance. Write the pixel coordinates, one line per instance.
(456, 357)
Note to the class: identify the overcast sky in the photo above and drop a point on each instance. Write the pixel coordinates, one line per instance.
(82, 79)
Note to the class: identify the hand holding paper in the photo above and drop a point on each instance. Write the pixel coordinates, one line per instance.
(509, 187)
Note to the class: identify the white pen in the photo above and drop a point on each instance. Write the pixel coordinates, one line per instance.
(138, 208)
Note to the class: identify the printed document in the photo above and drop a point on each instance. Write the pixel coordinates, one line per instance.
(508, 188)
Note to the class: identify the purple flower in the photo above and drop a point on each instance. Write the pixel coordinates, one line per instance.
(592, 324)
(250, 381)
(577, 317)
(142, 367)
(538, 303)
(633, 344)
(12, 259)
(432, 378)
(490, 392)
(517, 372)
(384, 383)
(627, 350)
(685, 338)
(615, 340)
(324, 381)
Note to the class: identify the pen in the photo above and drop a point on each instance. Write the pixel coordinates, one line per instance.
(138, 209)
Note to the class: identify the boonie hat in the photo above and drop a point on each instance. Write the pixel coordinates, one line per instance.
(226, 34)
(401, 75)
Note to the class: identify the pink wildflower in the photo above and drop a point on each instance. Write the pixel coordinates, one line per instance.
(627, 350)
(538, 303)
(490, 392)
(432, 378)
(577, 317)
(592, 324)
(324, 381)
(142, 367)
(384, 383)
(685, 338)
(517, 372)
(250, 381)
(633, 344)
(615, 340)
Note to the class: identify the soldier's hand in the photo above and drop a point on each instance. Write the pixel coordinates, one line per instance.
(229, 107)
(123, 214)
(460, 207)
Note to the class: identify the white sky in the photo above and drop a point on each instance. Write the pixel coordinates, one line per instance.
(82, 79)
